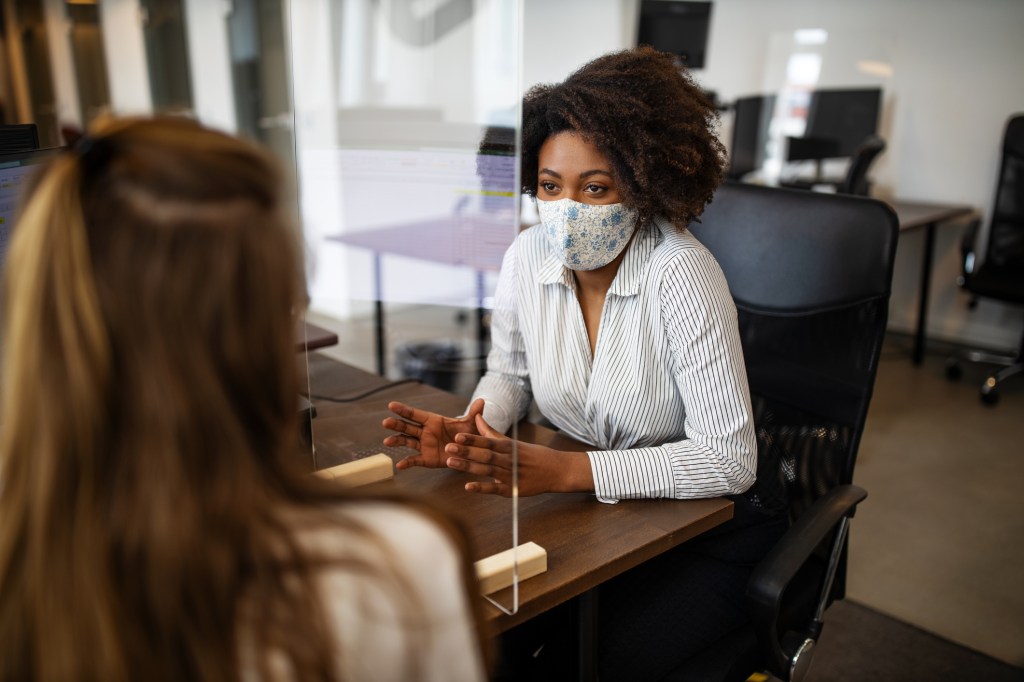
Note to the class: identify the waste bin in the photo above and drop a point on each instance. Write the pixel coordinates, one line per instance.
(436, 363)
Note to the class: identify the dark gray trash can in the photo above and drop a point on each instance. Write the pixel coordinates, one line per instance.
(436, 363)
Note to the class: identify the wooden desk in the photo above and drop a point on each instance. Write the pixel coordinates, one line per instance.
(588, 542)
(308, 336)
(914, 215)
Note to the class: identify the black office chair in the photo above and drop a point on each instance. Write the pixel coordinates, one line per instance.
(810, 274)
(856, 180)
(1000, 275)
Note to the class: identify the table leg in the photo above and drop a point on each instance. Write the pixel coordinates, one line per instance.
(481, 330)
(926, 281)
(586, 619)
(922, 304)
(378, 313)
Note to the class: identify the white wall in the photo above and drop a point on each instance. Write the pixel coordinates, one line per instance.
(213, 95)
(956, 68)
(58, 30)
(125, 50)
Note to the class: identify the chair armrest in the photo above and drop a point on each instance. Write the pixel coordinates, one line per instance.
(772, 576)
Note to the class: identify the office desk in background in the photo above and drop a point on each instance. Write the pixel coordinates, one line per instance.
(587, 542)
(467, 240)
(480, 242)
(309, 336)
(915, 215)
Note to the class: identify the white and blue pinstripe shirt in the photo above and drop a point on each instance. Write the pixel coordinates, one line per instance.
(664, 398)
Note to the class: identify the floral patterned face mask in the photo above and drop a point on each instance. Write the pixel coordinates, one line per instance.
(586, 236)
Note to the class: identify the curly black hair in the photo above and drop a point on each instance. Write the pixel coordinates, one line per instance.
(645, 114)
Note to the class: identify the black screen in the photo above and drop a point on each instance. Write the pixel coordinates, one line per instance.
(677, 27)
(845, 117)
(749, 133)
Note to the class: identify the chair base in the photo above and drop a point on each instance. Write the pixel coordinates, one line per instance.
(988, 393)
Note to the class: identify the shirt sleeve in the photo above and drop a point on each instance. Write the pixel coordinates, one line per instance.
(505, 387)
(719, 454)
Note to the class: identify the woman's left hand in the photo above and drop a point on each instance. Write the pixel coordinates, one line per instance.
(541, 469)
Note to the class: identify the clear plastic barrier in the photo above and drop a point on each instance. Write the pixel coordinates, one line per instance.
(405, 139)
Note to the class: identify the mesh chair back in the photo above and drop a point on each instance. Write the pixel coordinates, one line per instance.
(810, 274)
(1006, 233)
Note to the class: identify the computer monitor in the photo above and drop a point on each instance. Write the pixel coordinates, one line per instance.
(676, 26)
(15, 170)
(751, 117)
(18, 137)
(838, 121)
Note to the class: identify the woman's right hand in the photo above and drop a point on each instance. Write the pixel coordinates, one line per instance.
(428, 432)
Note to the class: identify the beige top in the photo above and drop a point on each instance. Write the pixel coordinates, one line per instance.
(408, 618)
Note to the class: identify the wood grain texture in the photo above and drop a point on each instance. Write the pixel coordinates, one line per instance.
(587, 542)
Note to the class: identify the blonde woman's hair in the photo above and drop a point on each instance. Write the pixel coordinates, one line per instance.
(148, 438)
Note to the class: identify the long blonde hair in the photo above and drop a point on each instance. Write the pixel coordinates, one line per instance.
(149, 416)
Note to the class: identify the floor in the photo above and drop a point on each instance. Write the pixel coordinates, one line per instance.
(939, 542)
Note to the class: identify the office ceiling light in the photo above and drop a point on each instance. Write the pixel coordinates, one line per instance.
(810, 36)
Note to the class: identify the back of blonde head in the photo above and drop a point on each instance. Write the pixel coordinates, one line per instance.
(147, 410)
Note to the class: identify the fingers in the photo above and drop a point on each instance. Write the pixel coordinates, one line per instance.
(402, 441)
(479, 456)
(475, 409)
(408, 428)
(489, 488)
(409, 413)
(410, 461)
(500, 444)
(485, 428)
(474, 467)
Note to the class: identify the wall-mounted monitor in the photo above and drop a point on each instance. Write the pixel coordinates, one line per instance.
(676, 26)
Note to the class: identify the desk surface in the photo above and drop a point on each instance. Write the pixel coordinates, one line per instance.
(587, 542)
(478, 241)
(308, 336)
(913, 214)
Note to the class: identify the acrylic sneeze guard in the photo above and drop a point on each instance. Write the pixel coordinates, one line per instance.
(405, 143)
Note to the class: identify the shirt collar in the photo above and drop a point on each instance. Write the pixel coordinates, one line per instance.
(638, 253)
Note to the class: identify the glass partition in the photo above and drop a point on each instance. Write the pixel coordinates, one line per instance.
(405, 148)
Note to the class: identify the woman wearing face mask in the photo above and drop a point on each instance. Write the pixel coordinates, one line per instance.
(619, 323)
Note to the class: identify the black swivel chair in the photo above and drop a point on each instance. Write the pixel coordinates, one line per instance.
(856, 180)
(1000, 275)
(810, 274)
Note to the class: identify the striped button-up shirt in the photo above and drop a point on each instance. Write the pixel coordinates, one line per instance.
(663, 399)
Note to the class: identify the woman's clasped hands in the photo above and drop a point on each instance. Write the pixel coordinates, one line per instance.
(470, 445)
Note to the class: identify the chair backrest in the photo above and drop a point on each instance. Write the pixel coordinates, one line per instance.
(1006, 230)
(810, 274)
(856, 180)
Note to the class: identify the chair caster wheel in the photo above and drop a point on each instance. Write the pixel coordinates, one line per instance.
(989, 396)
(953, 370)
